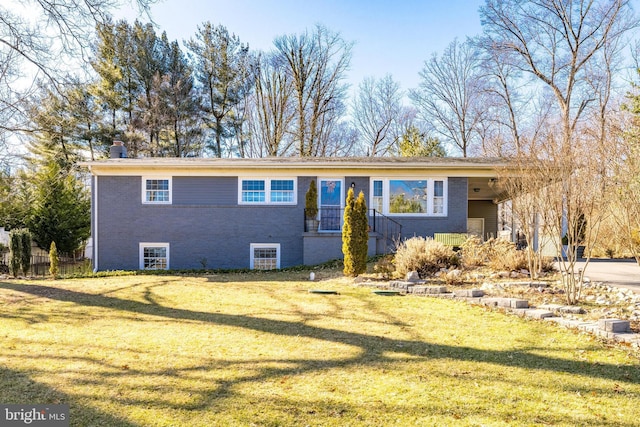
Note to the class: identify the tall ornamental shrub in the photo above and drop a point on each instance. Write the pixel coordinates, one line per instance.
(311, 201)
(355, 234)
(25, 251)
(19, 251)
(361, 233)
(53, 260)
(14, 252)
(347, 236)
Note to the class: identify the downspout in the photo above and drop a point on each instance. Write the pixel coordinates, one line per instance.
(95, 223)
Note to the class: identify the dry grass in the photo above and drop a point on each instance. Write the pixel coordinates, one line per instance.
(424, 255)
(242, 350)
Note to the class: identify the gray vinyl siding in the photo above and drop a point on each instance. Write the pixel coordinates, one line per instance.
(220, 234)
(454, 222)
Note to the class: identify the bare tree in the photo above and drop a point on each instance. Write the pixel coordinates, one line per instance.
(377, 106)
(626, 209)
(506, 104)
(555, 41)
(272, 111)
(450, 94)
(315, 64)
(338, 138)
(33, 44)
(558, 43)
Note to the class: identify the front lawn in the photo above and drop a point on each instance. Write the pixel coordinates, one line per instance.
(259, 349)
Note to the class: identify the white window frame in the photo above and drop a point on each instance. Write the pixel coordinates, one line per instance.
(144, 245)
(267, 190)
(144, 190)
(254, 246)
(430, 195)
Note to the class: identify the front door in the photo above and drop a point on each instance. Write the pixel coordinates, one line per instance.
(331, 202)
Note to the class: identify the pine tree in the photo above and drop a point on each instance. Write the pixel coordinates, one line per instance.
(61, 210)
(221, 68)
(416, 144)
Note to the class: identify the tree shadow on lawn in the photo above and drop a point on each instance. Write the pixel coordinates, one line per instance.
(18, 388)
(374, 348)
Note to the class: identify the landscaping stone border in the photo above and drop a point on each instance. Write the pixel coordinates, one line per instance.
(608, 328)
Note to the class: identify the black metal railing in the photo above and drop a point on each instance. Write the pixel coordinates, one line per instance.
(389, 229)
(330, 219)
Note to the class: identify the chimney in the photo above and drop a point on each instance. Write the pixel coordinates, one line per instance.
(118, 150)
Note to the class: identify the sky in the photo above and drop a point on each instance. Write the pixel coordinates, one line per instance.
(390, 37)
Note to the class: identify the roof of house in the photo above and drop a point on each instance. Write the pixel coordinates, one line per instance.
(454, 166)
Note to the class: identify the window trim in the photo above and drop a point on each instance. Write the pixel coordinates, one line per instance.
(267, 190)
(143, 245)
(144, 190)
(254, 246)
(430, 191)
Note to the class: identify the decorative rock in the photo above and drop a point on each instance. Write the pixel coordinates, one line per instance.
(413, 277)
(454, 274)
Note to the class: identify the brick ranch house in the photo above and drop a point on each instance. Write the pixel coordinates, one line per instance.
(193, 213)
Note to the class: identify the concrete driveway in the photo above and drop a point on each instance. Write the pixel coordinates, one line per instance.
(614, 272)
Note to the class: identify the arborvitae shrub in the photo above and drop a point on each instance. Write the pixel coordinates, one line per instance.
(15, 246)
(53, 260)
(360, 234)
(25, 251)
(348, 236)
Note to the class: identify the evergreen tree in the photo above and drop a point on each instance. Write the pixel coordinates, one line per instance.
(15, 201)
(54, 128)
(53, 260)
(61, 210)
(25, 251)
(361, 234)
(221, 70)
(150, 65)
(355, 235)
(416, 144)
(108, 89)
(348, 242)
(15, 247)
(179, 107)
